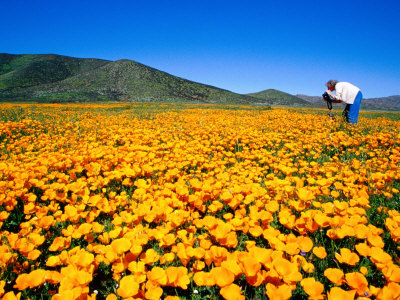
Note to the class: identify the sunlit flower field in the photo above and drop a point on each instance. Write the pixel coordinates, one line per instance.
(153, 201)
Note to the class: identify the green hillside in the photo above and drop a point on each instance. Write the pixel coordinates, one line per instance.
(55, 78)
(276, 97)
(19, 71)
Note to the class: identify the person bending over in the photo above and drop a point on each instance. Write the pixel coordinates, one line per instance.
(349, 94)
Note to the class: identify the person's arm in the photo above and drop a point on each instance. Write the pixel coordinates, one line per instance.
(335, 98)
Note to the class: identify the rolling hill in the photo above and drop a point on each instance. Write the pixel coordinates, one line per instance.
(280, 98)
(383, 103)
(56, 78)
(21, 71)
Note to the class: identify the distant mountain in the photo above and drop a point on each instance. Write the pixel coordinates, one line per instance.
(56, 78)
(314, 100)
(382, 103)
(280, 98)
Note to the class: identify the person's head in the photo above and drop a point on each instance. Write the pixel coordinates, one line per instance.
(331, 84)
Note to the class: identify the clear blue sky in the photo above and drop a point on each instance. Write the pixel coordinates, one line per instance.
(242, 46)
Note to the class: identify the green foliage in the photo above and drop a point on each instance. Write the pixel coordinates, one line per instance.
(15, 218)
(54, 78)
(21, 71)
(103, 282)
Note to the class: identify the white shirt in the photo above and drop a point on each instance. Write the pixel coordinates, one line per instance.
(346, 92)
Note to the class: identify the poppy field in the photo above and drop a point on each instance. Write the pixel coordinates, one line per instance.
(160, 201)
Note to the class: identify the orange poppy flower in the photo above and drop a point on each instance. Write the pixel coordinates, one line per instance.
(222, 276)
(346, 256)
(2, 285)
(158, 275)
(375, 240)
(305, 194)
(167, 257)
(111, 297)
(390, 291)
(34, 254)
(257, 279)
(60, 243)
(292, 248)
(85, 228)
(172, 298)
(46, 222)
(313, 288)
(136, 250)
(205, 244)
(344, 231)
(288, 271)
(232, 265)
(150, 257)
(364, 270)
(308, 267)
(24, 246)
(198, 253)
(361, 231)
(380, 257)
(203, 278)
(363, 249)
(199, 265)
(249, 265)
(218, 255)
(182, 254)
(154, 293)
(11, 296)
(319, 252)
(83, 277)
(305, 243)
(137, 267)
(392, 272)
(128, 287)
(262, 255)
(22, 282)
(36, 278)
(358, 282)
(121, 245)
(232, 292)
(287, 219)
(256, 231)
(36, 239)
(54, 277)
(336, 293)
(82, 258)
(322, 220)
(167, 240)
(281, 292)
(178, 277)
(334, 275)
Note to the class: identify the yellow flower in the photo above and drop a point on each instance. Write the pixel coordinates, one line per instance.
(346, 256)
(319, 252)
(358, 282)
(121, 245)
(232, 292)
(313, 288)
(128, 287)
(222, 276)
(337, 293)
(334, 275)
(281, 292)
